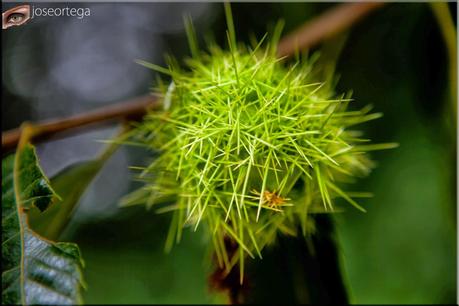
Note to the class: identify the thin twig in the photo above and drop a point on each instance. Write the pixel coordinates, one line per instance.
(448, 31)
(130, 110)
(325, 26)
(308, 35)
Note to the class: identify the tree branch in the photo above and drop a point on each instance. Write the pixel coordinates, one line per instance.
(310, 34)
(325, 26)
(129, 110)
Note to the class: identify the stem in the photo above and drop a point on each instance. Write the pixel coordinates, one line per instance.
(230, 283)
(448, 31)
(308, 35)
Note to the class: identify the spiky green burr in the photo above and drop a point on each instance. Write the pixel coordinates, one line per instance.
(249, 147)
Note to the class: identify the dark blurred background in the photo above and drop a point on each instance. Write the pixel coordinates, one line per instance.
(403, 250)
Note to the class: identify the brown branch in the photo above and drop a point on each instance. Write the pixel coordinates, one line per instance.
(308, 35)
(130, 110)
(325, 26)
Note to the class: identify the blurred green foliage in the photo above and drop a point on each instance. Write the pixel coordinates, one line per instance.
(126, 262)
(404, 249)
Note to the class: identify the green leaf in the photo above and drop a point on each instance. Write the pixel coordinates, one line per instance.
(71, 182)
(34, 270)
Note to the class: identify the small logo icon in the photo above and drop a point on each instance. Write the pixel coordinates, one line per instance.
(16, 16)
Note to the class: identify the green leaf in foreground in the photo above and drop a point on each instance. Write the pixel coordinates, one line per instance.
(34, 270)
(72, 182)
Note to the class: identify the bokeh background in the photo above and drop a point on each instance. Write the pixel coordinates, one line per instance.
(403, 250)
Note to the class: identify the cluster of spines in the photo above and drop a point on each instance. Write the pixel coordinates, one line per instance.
(249, 145)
